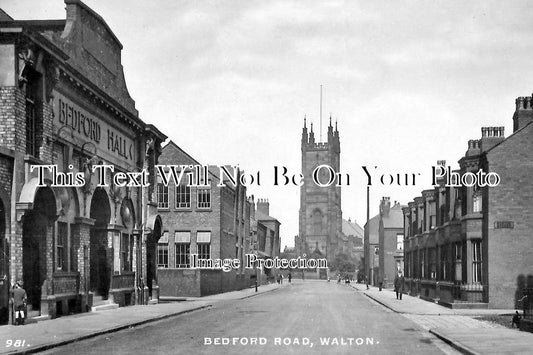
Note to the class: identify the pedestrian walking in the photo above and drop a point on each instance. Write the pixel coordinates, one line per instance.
(399, 284)
(516, 320)
(19, 299)
(290, 277)
(380, 283)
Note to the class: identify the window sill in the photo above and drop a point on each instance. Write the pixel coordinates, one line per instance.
(183, 209)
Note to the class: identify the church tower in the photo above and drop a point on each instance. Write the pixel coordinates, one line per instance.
(320, 207)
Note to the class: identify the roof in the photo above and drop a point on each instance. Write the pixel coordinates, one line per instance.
(4, 16)
(352, 228)
(260, 216)
(395, 217)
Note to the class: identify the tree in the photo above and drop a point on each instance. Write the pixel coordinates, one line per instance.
(343, 263)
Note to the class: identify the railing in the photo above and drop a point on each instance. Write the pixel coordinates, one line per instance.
(65, 283)
(124, 280)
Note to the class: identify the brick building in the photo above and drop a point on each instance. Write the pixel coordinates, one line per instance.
(384, 244)
(471, 246)
(266, 241)
(211, 221)
(320, 221)
(391, 237)
(64, 101)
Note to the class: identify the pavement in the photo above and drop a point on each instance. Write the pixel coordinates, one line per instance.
(48, 334)
(456, 327)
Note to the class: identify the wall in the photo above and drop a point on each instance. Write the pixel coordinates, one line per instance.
(509, 250)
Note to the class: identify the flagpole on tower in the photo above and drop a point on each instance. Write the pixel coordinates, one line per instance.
(321, 113)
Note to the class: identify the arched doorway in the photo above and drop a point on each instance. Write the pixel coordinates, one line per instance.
(100, 270)
(151, 254)
(37, 229)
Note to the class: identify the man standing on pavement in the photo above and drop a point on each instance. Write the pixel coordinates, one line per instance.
(399, 283)
(19, 303)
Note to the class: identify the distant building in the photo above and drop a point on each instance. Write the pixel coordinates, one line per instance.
(212, 222)
(265, 237)
(471, 245)
(352, 240)
(384, 244)
(390, 241)
(320, 222)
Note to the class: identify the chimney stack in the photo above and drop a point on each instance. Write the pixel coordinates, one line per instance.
(263, 206)
(384, 207)
(523, 114)
(490, 136)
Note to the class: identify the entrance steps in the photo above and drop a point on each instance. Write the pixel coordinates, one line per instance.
(99, 304)
(34, 316)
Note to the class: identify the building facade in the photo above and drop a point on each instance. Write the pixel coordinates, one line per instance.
(470, 246)
(390, 249)
(266, 241)
(383, 244)
(320, 221)
(64, 103)
(352, 240)
(210, 221)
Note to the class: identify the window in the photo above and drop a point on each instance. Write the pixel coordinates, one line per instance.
(432, 264)
(476, 201)
(432, 222)
(31, 117)
(183, 196)
(416, 265)
(58, 157)
(162, 196)
(62, 246)
(204, 198)
(183, 249)
(125, 252)
(457, 251)
(162, 251)
(422, 264)
(476, 261)
(317, 223)
(399, 242)
(444, 262)
(203, 240)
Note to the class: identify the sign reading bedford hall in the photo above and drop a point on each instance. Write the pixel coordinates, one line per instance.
(86, 127)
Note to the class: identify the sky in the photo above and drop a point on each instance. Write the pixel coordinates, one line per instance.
(409, 82)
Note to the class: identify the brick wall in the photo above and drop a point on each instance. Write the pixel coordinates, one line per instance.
(509, 251)
(6, 177)
(12, 123)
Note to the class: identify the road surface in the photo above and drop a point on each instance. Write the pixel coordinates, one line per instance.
(311, 317)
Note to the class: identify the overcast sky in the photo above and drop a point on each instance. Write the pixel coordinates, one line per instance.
(408, 81)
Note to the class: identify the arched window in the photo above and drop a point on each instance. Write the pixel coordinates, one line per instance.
(317, 222)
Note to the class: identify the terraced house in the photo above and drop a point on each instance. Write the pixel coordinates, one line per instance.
(471, 246)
